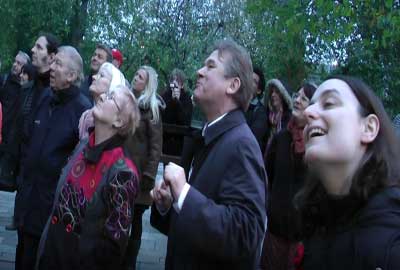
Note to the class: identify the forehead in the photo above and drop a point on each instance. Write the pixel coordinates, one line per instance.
(100, 52)
(335, 87)
(216, 57)
(42, 41)
(142, 73)
(19, 58)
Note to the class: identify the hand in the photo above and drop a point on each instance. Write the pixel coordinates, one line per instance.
(174, 176)
(161, 195)
(176, 93)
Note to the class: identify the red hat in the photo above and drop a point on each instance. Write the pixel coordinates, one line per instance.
(117, 55)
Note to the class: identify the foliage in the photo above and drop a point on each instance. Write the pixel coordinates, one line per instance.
(289, 39)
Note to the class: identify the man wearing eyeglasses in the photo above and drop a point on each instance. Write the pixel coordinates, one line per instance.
(53, 137)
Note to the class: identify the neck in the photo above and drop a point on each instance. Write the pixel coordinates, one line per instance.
(337, 178)
(102, 132)
(42, 70)
(221, 110)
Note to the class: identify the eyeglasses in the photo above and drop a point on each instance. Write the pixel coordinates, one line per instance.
(302, 97)
(110, 95)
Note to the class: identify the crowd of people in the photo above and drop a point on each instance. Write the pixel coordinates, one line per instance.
(304, 179)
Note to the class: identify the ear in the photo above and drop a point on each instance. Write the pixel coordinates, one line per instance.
(234, 86)
(72, 77)
(118, 123)
(51, 58)
(370, 128)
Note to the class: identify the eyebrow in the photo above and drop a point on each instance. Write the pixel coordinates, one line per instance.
(209, 61)
(327, 92)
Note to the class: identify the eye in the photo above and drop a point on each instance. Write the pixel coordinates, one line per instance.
(329, 103)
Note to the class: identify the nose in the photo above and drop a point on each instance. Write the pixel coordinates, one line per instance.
(311, 112)
(200, 72)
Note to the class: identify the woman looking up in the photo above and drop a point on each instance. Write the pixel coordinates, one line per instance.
(145, 150)
(91, 218)
(286, 175)
(351, 201)
(108, 77)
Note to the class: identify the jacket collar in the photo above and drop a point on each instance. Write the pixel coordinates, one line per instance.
(231, 120)
(63, 96)
(92, 153)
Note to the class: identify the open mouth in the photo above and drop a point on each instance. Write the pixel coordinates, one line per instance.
(316, 132)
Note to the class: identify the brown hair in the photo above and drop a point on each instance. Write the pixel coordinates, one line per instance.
(378, 168)
(238, 64)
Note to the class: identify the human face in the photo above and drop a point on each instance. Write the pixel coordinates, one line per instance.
(334, 126)
(98, 58)
(17, 65)
(40, 57)
(101, 82)
(23, 78)
(140, 80)
(211, 86)
(108, 108)
(300, 103)
(256, 80)
(61, 75)
(276, 99)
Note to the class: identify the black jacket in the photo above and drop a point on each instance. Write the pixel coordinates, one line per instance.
(9, 98)
(54, 134)
(286, 174)
(222, 221)
(367, 239)
(177, 112)
(256, 117)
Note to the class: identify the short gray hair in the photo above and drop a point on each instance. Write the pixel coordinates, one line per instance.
(25, 56)
(238, 64)
(75, 63)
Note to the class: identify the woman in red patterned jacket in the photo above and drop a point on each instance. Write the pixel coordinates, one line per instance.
(91, 217)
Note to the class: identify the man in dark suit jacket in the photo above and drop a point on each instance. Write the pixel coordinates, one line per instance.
(217, 219)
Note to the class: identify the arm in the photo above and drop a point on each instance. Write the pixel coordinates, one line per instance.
(119, 196)
(154, 135)
(230, 226)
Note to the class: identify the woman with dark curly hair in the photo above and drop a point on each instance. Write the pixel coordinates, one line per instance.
(351, 200)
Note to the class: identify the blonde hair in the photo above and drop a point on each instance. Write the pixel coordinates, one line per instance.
(148, 97)
(130, 114)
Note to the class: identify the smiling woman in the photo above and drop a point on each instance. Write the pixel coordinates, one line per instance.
(351, 201)
(93, 234)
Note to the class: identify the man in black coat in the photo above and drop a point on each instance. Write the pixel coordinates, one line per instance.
(217, 219)
(54, 134)
(9, 98)
(256, 115)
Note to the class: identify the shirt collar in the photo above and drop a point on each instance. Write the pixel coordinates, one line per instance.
(212, 123)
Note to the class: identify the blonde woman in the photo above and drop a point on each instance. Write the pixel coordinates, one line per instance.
(108, 77)
(91, 217)
(145, 150)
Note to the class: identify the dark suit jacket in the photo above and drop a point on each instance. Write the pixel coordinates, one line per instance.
(222, 221)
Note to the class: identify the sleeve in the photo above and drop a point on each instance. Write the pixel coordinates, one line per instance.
(231, 226)
(119, 196)
(154, 135)
(394, 256)
(270, 160)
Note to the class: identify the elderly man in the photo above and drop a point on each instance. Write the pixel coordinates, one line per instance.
(218, 217)
(54, 135)
(100, 55)
(9, 98)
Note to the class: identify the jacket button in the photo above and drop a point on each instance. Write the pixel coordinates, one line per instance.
(68, 228)
(54, 220)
